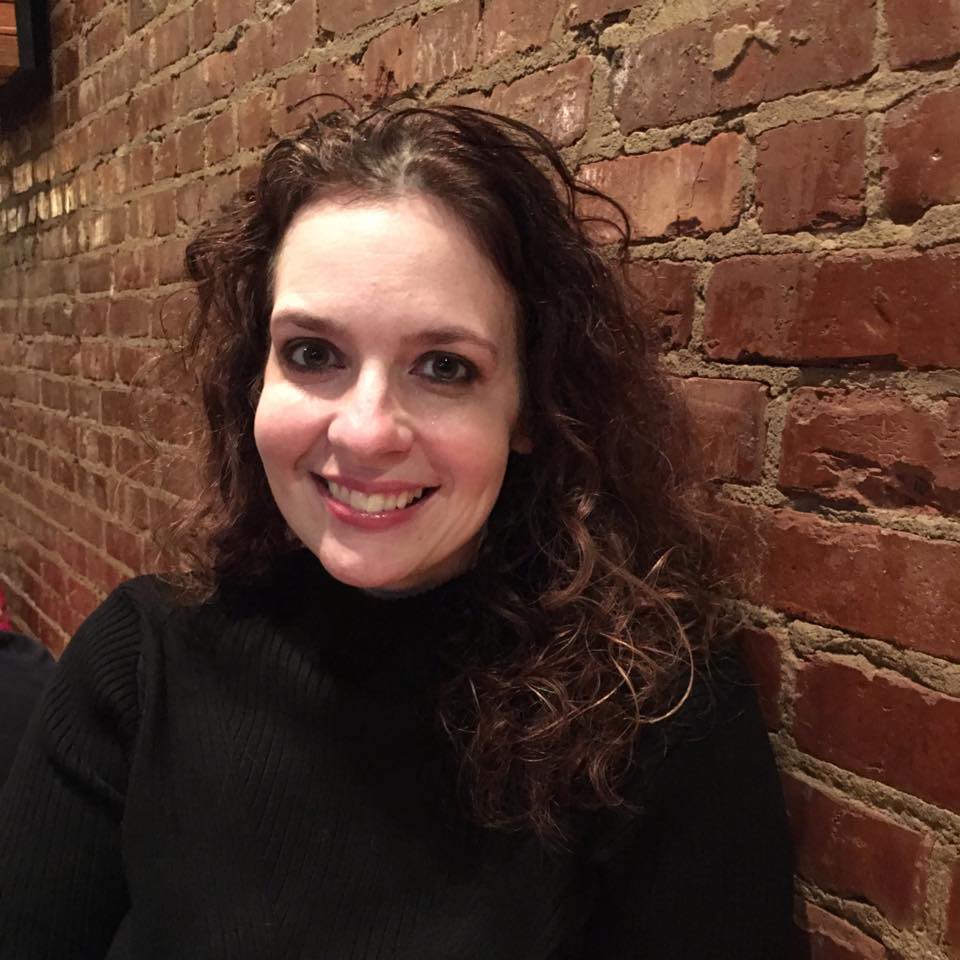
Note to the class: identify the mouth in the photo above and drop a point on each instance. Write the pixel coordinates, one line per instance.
(375, 504)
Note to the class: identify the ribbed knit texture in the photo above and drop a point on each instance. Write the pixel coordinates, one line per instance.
(261, 777)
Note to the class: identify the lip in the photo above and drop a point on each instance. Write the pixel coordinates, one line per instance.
(369, 521)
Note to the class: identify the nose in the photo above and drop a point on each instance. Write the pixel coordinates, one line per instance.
(368, 422)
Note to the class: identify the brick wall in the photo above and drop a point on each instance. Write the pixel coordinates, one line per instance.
(792, 168)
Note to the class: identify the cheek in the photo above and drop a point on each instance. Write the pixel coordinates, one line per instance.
(280, 431)
(476, 454)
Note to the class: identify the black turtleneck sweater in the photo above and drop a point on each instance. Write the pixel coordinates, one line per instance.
(261, 778)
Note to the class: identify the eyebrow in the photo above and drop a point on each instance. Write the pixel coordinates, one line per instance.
(432, 336)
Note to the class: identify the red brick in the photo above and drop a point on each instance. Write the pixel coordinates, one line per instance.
(96, 447)
(953, 914)
(171, 318)
(219, 76)
(164, 207)
(583, 11)
(133, 507)
(201, 24)
(62, 23)
(843, 715)
(63, 474)
(130, 317)
(873, 308)
(63, 357)
(150, 109)
(73, 108)
(27, 387)
(90, 95)
(79, 603)
(178, 476)
(129, 362)
(84, 401)
(670, 77)
(228, 13)
(73, 554)
(555, 100)
(96, 273)
(141, 165)
(112, 130)
(511, 26)
(188, 202)
(390, 61)
(124, 546)
(727, 418)
(858, 577)
(811, 175)
(304, 94)
(190, 147)
(143, 11)
(253, 119)
(134, 460)
(54, 394)
(170, 421)
(170, 260)
(118, 409)
(81, 520)
(830, 938)
(250, 55)
(220, 137)
(66, 65)
(165, 157)
(135, 269)
(123, 73)
(168, 42)
(922, 30)
(763, 659)
(341, 16)
(872, 448)
(664, 294)
(441, 45)
(95, 361)
(690, 189)
(922, 155)
(856, 853)
(105, 37)
(294, 32)
(161, 516)
(448, 40)
(218, 191)
(90, 318)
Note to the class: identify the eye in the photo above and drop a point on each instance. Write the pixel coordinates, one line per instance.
(446, 368)
(311, 355)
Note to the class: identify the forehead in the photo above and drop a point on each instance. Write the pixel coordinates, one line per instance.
(401, 255)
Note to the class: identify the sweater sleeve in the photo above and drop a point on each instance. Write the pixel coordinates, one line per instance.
(62, 888)
(708, 873)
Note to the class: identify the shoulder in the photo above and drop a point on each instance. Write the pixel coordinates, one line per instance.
(99, 666)
(720, 708)
(711, 758)
(716, 737)
(115, 629)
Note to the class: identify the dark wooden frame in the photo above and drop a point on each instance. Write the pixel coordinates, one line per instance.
(31, 81)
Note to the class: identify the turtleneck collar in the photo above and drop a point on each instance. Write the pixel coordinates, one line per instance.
(389, 639)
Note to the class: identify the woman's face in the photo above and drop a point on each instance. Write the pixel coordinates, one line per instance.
(392, 375)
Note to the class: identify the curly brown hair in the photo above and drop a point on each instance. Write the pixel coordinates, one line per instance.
(591, 588)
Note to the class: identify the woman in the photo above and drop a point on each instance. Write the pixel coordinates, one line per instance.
(443, 683)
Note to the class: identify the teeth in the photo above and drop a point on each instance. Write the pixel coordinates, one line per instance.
(374, 503)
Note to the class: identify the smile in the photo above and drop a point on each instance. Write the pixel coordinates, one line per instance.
(375, 502)
(382, 510)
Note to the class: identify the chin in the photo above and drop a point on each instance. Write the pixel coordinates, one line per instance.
(359, 572)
